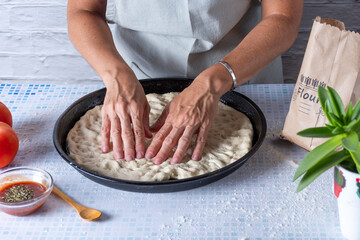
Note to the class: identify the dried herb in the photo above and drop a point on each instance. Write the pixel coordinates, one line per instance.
(17, 193)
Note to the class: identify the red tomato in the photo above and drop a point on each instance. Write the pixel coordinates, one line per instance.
(5, 115)
(9, 144)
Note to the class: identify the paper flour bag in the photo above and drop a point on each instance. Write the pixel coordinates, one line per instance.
(332, 58)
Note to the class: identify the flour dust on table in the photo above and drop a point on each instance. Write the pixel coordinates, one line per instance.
(229, 138)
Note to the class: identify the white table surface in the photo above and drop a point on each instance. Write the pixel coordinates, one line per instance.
(258, 201)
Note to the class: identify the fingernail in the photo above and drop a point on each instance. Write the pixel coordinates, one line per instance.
(104, 149)
(139, 155)
(195, 157)
(174, 161)
(129, 158)
(149, 155)
(118, 155)
(157, 161)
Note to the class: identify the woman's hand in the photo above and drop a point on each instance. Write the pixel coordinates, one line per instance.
(125, 112)
(125, 117)
(191, 112)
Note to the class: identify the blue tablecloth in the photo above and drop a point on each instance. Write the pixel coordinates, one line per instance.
(258, 201)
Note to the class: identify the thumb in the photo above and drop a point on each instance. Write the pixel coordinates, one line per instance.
(160, 121)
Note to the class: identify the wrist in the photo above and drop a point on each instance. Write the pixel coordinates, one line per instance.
(231, 72)
(216, 79)
(120, 73)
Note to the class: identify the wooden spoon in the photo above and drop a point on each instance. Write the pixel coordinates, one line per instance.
(85, 213)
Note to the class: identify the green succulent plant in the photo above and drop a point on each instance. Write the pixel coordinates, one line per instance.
(342, 148)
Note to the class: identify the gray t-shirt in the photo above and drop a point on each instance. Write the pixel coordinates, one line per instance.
(181, 38)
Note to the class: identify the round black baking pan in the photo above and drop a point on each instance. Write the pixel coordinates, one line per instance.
(233, 99)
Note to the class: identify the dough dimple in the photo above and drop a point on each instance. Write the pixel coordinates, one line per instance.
(229, 138)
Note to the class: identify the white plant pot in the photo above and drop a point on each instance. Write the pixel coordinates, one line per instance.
(347, 190)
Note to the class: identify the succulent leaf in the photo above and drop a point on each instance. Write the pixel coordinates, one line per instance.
(314, 156)
(337, 121)
(336, 103)
(324, 164)
(343, 130)
(356, 111)
(317, 132)
(337, 131)
(351, 142)
(356, 157)
(324, 99)
(323, 96)
(327, 112)
(353, 126)
(349, 113)
(330, 127)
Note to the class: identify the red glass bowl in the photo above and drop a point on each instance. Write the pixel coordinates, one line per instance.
(25, 174)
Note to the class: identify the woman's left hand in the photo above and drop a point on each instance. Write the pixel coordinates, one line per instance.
(191, 112)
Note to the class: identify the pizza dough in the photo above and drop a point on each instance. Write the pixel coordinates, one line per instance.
(229, 139)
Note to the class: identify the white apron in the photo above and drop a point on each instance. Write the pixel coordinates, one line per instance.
(181, 38)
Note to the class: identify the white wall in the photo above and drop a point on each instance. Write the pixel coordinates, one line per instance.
(34, 44)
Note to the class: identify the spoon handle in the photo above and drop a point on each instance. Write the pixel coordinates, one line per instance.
(63, 196)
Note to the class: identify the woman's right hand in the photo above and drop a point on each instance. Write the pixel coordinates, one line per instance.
(125, 117)
(125, 113)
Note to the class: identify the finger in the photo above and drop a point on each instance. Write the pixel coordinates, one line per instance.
(160, 121)
(200, 143)
(116, 137)
(105, 133)
(127, 136)
(158, 141)
(139, 133)
(183, 145)
(148, 133)
(168, 144)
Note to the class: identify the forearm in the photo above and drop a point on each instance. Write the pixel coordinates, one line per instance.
(92, 37)
(271, 37)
